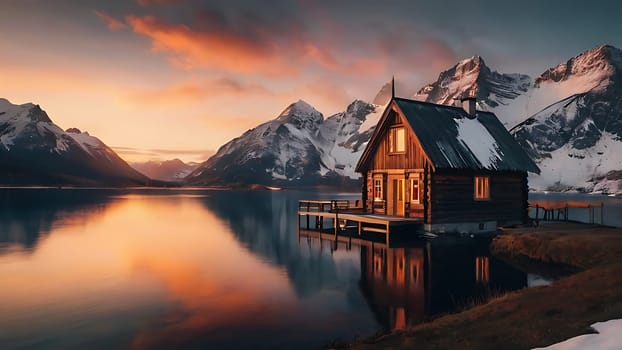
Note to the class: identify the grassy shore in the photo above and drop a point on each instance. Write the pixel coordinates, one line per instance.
(537, 316)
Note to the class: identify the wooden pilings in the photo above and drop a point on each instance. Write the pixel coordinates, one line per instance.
(341, 212)
(560, 212)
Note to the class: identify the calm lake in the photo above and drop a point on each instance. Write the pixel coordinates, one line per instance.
(214, 269)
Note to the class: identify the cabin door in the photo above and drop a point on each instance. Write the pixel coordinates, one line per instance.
(396, 195)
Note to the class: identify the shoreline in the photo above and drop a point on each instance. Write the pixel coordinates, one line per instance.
(536, 316)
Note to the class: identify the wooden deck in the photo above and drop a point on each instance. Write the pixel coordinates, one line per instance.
(345, 215)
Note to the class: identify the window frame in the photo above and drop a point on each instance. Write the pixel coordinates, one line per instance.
(483, 193)
(418, 190)
(393, 140)
(377, 184)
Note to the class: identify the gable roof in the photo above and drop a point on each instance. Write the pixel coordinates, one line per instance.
(452, 140)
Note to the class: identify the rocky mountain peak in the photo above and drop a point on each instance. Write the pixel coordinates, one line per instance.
(298, 107)
(359, 107)
(461, 79)
(597, 65)
(302, 115)
(473, 77)
(475, 64)
(36, 114)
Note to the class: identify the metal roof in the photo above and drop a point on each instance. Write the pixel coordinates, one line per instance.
(452, 140)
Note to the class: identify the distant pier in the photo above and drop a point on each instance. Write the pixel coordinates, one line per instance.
(558, 210)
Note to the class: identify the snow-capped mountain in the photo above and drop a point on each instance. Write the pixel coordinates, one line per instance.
(342, 137)
(569, 118)
(496, 92)
(299, 147)
(168, 170)
(577, 140)
(35, 151)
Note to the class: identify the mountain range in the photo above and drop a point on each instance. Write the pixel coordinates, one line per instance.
(174, 170)
(568, 119)
(35, 151)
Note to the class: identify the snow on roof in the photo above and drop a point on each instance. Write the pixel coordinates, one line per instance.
(478, 140)
(452, 140)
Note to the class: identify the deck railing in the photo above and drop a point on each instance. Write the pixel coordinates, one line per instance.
(379, 206)
(333, 205)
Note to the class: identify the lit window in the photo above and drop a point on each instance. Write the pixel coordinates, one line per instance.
(378, 189)
(482, 187)
(414, 190)
(397, 140)
(401, 139)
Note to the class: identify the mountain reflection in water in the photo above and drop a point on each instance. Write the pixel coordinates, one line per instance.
(222, 269)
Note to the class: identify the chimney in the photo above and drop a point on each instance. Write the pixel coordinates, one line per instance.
(469, 102)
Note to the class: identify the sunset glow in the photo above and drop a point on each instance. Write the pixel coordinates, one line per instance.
(159, 79)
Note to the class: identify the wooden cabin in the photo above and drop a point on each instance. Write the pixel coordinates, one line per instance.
(456, 168)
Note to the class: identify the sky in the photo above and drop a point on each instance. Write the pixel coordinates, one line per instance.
(163, 79)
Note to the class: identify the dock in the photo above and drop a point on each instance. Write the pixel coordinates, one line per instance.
(558, 210)
(348, 219)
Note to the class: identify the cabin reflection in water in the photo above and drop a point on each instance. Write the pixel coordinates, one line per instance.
(392, 280)
(406, 286)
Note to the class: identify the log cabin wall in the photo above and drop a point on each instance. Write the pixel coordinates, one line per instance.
(412, 158)
(452, 199)
(409, 163)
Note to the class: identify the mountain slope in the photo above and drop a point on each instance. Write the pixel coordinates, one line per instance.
(343, 136)
(35, 151)
(281, 149)
(578, 140)
(298, 148)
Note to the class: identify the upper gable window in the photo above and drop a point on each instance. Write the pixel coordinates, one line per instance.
(397, 140)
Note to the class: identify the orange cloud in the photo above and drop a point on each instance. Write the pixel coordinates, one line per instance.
(327, 60)
(217, 49)
(251, 49)
(201, 91)
(111, 22)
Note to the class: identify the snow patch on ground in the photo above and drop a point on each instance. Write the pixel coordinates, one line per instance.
(609, 337)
